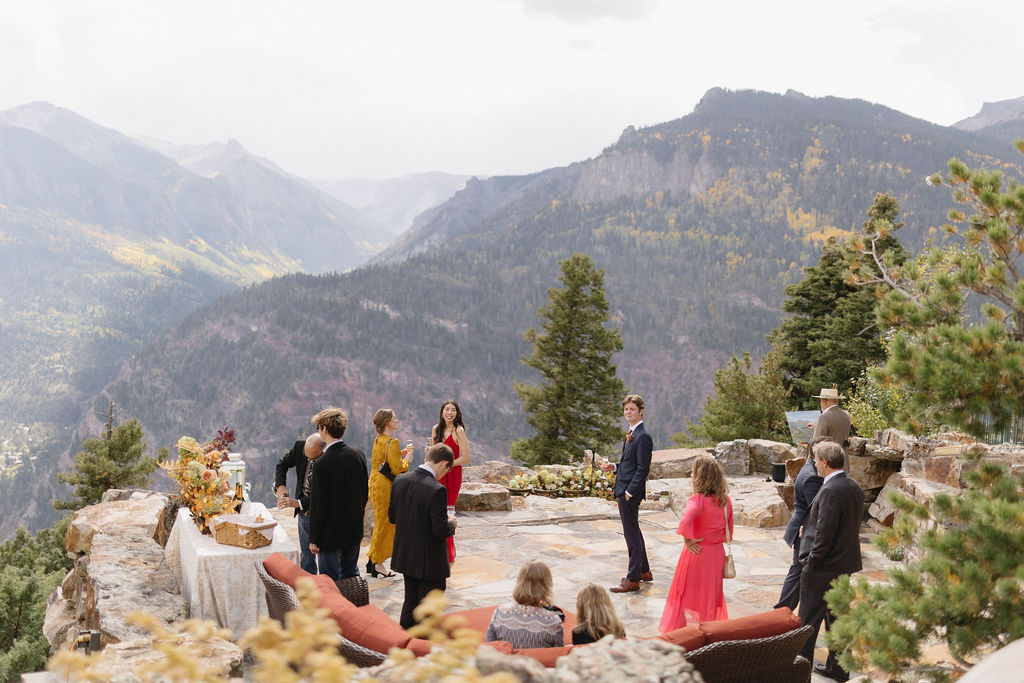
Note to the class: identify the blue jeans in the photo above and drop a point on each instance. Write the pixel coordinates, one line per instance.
(307, 560)
(340, 564)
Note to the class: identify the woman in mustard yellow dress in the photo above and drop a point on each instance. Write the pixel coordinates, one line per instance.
(384, 446)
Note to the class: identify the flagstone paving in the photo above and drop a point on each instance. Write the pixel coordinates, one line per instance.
(581, 541)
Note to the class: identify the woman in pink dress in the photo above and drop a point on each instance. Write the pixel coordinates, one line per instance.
(697, 586)
(452, 432)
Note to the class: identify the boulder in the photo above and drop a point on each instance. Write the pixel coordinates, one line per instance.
(869, 472)
(674, 463)
(794, 465)
(121, 662)
(491, 472)
(141, 509)
(755, 502)
(917, 488)
(127, 573)
(764, 452)
(734, 456)
(1002, 666)
(874, 450)
(170, 512)
(479, 497)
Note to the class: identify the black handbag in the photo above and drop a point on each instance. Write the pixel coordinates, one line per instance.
(385, 467)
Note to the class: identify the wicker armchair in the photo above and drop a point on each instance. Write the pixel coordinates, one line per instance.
(766, 660)
(281, 600)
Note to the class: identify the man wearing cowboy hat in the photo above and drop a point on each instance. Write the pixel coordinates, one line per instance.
(834, 422)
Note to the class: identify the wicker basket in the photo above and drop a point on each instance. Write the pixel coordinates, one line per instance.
(243, 531)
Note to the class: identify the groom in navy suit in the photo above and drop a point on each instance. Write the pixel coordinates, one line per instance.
(631, 488)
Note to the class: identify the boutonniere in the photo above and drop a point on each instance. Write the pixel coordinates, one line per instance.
(629, 436)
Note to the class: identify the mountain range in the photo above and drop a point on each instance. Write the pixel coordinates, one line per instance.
(699, 223)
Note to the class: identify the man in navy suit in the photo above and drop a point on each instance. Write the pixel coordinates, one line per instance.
(830, 547)
(631, 488)
(805, 488)
(419, 511)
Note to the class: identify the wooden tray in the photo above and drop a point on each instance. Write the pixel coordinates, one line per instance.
(242, 531)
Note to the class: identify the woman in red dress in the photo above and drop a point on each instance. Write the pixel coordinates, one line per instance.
(697, 586)
(451, 431)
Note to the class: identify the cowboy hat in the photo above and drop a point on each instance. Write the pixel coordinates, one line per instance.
(830, 392)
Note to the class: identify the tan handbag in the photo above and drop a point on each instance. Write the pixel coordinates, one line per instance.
(729, 568)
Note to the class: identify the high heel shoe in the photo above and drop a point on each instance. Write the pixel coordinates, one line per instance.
(372, 570)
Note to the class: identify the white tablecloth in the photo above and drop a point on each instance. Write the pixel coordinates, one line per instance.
(219, 582)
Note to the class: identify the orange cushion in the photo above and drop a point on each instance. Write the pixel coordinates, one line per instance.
(419, 646)
(477, 619)
(370, 627)
(331, 598)
(763, 625)
(545, 655)
(689, 637)
(284, 570)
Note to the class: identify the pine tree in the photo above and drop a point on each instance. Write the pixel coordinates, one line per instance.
(966, 374)
(832, 335)
(578, 400)
(746, 405)
(964, 590)
(113, 462)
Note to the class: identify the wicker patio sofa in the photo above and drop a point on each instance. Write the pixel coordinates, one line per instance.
(758, 647)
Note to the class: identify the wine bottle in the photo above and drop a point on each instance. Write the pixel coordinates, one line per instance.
(239, 497)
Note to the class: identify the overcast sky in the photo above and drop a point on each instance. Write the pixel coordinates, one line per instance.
(335, 89)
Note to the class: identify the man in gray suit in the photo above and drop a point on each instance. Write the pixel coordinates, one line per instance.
(829, 548)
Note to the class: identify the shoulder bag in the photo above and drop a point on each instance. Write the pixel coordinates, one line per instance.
(729, 568)
(385, 467)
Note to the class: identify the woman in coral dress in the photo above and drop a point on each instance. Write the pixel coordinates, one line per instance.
(385, 447)
(697, 586)
(451, 431)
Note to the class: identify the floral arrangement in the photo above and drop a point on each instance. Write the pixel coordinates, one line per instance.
(201, 484)
(565, 483)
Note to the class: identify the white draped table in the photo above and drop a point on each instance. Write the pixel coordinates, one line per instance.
(219, 582)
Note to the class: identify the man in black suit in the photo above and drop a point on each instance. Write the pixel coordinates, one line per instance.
(337, 498)
(830, 547)
(630, 489)
(419, 511)
(301, 457)
(806, 486)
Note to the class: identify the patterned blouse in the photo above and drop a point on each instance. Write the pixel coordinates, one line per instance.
(525, 626)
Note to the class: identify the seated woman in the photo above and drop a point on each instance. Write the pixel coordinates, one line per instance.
(595, 616)
(530, 620)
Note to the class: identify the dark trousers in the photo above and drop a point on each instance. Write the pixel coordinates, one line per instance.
(629, 513)
(307, 560)
(814, 584)
(415, 591)
(791, 586)
(339, 564)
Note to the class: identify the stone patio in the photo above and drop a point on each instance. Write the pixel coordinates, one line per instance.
(581, 540)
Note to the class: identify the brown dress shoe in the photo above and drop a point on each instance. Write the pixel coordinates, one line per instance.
(647, 576)
(626, 586)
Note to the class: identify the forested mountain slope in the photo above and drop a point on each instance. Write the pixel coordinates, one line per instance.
(699, 223)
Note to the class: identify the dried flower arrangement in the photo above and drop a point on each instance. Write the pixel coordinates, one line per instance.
(201, 484)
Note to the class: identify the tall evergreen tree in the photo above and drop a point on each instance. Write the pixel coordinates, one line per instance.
(578, 399)
(115, 461)
(831, 335)
(969, 375)
(746, 405)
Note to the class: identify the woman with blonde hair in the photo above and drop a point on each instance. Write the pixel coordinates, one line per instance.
(385, 449)
(530, 620)
(697, 585)
(595, 616)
